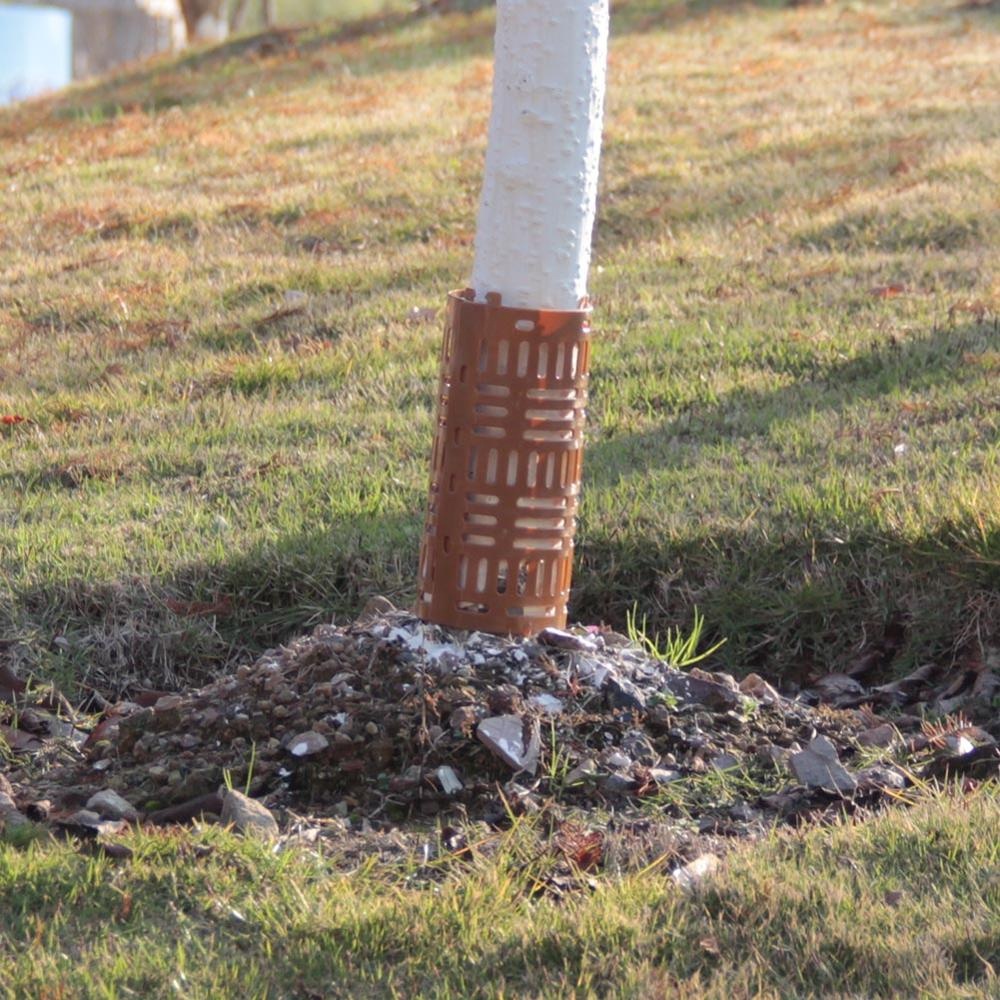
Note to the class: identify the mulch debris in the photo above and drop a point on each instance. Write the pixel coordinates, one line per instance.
(372, 727)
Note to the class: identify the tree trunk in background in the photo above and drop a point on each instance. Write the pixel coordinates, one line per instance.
(537, 211)
(205, 20)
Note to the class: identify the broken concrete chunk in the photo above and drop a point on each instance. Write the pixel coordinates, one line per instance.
(692, 875)
(308, 743)
(247, 815)
(513, 738)
(819, 767)
(110, 805)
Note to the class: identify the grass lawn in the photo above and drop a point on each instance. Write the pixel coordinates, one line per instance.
(218, 317)
(221, 281)
(905, 905)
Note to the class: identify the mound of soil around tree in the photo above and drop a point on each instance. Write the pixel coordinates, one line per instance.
(389, 720)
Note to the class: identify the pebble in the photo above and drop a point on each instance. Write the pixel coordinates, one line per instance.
(247, 815)
(818, 766)
(110, 805)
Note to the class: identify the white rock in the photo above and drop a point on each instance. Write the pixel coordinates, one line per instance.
(819, 767)
(547, 704)
(514, 739)
(111, 805)
(692, 875)
(448, 780)
(247, 815)
(308, 743)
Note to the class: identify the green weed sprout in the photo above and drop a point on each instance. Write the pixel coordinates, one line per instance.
(674, 648)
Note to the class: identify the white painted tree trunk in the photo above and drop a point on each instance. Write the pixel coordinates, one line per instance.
(536, 215)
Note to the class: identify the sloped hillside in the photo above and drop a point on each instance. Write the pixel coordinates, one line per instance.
(220, 288)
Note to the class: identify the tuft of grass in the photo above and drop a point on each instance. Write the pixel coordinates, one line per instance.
(674, 648)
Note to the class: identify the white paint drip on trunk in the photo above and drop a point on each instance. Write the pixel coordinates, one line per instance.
(536, 215)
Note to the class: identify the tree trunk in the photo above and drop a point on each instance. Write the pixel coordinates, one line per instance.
(538, 201)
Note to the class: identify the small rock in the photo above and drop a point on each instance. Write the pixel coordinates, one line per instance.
(819, 767)
(10, 816)
(621, 693)
(110, 805)
(638, 747)
(449, 781)
(880, 777)
(376, 608)
(593, 672)
(692, 875)
(617, 784)
(547, 704)
(586, 770)
(774, 755)
(247, 815)
(663, 775)
(695, 691)
(725, 762)
(616, 759)
(839, 689)
(168, 703)
(756, 687)
(514, 739)
(308, 743)
(959, 745)
(881, 736)
(567, 640)
(94, 823)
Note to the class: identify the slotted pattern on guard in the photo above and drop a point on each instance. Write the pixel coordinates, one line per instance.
(497, 552)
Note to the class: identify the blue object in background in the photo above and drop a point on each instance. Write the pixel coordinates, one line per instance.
(35, 50)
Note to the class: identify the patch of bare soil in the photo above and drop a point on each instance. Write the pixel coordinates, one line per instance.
(390, 725)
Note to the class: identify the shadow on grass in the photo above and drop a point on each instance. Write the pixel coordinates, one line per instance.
(189, 625)
(944, 356)
(788, 594)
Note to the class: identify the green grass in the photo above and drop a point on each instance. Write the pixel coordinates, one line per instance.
(795, 274)
(907, 904)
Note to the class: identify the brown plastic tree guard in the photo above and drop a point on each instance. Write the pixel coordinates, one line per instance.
(497, 551)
